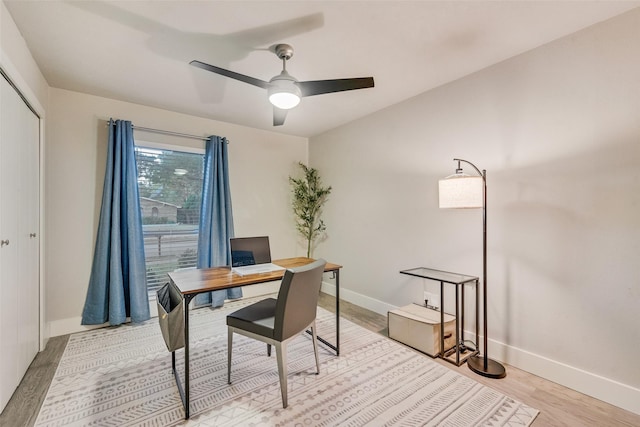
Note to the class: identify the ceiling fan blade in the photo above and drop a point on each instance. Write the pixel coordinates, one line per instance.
(318, 87)
(278, 116)
(231, 74)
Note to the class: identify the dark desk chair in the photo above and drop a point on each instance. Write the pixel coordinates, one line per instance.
(277, 321)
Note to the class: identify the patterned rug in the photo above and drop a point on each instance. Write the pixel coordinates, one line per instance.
(121, 376)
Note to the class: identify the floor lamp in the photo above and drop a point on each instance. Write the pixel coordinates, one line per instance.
(459, 191)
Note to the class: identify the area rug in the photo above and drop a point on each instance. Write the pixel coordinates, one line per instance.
(121, 376)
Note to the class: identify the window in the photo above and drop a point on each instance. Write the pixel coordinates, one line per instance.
(170, 185)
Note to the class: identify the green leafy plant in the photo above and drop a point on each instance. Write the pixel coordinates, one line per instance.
(308, 198)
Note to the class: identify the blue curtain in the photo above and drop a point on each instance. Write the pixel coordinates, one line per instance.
(216, 218)
(118, 284)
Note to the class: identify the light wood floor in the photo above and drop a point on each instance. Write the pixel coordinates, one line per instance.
(558, 405)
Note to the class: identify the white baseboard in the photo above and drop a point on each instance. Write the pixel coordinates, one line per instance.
(358, 299)
(601, 388)
(69, 326)
(605, 389)
(260, 289)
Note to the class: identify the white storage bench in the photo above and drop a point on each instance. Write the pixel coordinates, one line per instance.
(419, 327)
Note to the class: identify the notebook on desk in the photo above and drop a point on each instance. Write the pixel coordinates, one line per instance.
(251, 255)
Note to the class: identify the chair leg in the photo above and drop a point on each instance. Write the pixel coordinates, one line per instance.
(268, 350)
(315, 345)
(229, 352)
(281, 355)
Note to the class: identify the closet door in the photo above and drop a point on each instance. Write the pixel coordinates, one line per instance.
(28, 241)
(19, 257)
(9, 167)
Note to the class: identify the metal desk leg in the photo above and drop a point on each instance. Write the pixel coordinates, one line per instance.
(186, 357)
(337, 312)
(442, 320)
(336, 347)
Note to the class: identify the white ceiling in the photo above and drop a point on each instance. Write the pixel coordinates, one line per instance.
(139, 51)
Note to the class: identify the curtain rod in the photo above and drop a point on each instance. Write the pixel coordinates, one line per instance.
(168, 132)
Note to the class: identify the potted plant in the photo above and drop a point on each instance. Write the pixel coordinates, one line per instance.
(308, 198)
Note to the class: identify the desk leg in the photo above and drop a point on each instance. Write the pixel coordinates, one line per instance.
(184, 393)
(337, 312)
(442, 320)
(322, 340)
(187, 300)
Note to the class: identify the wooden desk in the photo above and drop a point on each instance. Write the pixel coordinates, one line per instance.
(197, 281)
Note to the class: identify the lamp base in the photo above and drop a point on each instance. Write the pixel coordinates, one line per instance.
(494, 369)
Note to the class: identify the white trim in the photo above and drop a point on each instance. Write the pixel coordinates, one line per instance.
(261, 289)
(605, 389)
(358, 299)
(69, 326)
(594, 385)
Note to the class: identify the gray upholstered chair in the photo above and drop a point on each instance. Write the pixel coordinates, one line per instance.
(277, 321)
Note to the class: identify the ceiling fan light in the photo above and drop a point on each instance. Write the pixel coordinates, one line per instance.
(284, 100)
(284, 93)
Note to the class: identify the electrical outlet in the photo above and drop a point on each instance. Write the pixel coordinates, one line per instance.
(432, 300)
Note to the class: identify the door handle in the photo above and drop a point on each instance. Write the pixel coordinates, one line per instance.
(4, 242)
(32, 235)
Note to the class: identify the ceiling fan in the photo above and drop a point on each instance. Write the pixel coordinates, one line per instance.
(284, 90)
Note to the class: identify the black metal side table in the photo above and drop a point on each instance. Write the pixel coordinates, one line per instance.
(459, 280)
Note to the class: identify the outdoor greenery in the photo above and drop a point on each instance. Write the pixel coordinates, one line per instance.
(308, 198)
(154, 220)
(159, 178)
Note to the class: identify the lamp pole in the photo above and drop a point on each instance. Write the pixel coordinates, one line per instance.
(483, 365)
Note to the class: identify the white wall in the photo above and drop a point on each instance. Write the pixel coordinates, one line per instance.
(558, 130)
(16, 60)
(260, 164)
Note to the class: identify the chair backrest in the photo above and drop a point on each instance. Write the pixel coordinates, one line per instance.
(298, 299)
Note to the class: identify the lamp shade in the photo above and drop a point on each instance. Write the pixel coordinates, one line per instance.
(283, 91)
(460, 191)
